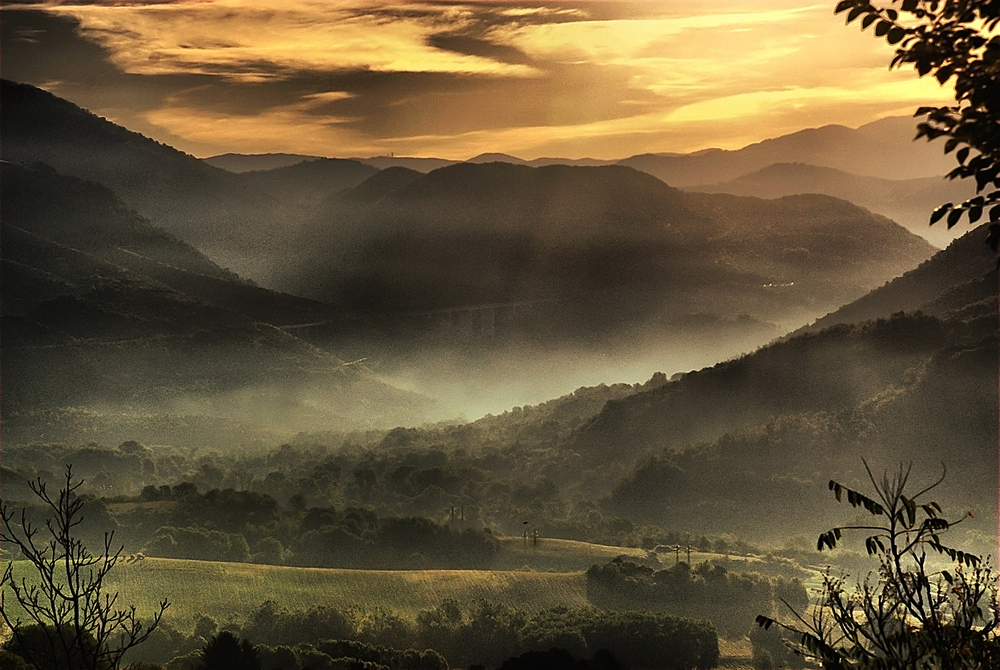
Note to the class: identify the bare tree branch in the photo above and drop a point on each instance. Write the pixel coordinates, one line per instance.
(73, 621)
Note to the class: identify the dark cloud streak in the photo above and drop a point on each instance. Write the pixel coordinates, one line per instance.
(72, 66)
(474, 46)
(400, 104)
(380, 104)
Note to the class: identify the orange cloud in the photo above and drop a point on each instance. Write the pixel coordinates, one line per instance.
(345, 77)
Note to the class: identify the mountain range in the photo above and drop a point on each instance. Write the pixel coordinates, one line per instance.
(885, 149)
(123, 320)
(233, 218)
(878, 166)
(589, 250)
(553, 253)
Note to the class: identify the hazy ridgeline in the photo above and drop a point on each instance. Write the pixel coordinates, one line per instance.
(473, 288)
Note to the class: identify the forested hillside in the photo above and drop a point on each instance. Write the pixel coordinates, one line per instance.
(102, 309)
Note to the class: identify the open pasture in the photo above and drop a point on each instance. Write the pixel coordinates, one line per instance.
(226, 590)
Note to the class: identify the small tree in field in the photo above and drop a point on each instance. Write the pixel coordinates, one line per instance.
(908, 613)
(72, 623)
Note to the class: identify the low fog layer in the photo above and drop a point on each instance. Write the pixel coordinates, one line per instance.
(471, 385)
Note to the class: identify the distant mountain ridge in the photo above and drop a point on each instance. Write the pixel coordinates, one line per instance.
(261, 162)
(610, 244)
(232, 162)
(877, 166)
(884, 149)
(908, 202)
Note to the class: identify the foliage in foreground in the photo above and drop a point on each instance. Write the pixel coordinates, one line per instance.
(951, 40)
(909, 612)
(74, 622)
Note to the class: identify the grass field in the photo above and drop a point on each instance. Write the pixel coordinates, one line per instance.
(529, 576)
(557, 555)
(222, 590)
(550, 574)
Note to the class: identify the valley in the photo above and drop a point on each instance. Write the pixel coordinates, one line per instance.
(435, 404)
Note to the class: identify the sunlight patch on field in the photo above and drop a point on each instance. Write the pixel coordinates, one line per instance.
(227, 590)
(557, 555)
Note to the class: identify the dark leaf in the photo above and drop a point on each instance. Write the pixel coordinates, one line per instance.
(954, 217)
(983, 179)
(938, 214)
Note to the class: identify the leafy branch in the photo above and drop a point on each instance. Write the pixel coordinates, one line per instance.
(954, 41)
(905, 613)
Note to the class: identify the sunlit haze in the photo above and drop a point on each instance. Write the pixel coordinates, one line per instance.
(455, 79)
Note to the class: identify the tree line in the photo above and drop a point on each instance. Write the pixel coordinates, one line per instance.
(709, 591)
(482, 632)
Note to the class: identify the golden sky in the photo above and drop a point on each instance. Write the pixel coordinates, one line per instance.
(604, 79)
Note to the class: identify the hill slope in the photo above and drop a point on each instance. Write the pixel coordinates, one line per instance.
(952, 280)
(908, 202)
(754, 439)
(100, 308)
(230, 217)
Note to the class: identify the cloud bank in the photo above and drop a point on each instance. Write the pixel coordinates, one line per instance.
(454, 79)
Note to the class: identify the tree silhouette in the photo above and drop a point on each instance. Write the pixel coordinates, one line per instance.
(73, 622)
(953, 40)
(910, 613)
(225, 651)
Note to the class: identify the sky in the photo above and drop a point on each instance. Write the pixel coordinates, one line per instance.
(602, 79)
